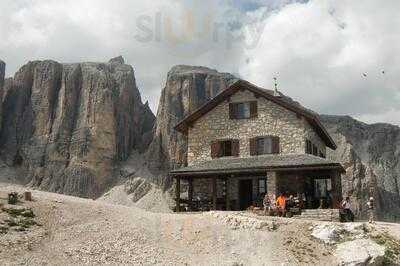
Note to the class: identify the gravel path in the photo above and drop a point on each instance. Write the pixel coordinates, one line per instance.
(86, 232)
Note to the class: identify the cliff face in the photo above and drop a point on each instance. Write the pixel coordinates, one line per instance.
(371, 157)
(69, 125)
(186, 89)
(2, 73)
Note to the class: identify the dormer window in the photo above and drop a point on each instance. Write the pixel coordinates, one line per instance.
(244, 110)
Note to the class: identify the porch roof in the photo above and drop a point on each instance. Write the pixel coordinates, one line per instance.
(258, 164)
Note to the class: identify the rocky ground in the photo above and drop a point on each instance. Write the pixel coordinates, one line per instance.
(69, 230)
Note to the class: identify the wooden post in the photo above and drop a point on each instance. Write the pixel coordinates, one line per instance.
(190, 194)
(227, 198)
(214, 193)
(178, 194)
(28, 196)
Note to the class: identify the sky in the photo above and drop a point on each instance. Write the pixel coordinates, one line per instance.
(335, 57)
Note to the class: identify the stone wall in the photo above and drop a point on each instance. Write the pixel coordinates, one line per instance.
(272, 120)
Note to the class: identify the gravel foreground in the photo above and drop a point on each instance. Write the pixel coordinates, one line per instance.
(79, 231)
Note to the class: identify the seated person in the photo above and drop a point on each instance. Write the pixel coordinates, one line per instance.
(346, 209)
(281, 204)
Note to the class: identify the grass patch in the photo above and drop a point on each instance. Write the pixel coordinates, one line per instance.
(14, 212)
(19, 219)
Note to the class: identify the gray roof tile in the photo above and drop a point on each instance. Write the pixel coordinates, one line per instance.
(259, 162)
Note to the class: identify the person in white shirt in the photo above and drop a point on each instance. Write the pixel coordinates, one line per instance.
(370, 206)
(346, 205)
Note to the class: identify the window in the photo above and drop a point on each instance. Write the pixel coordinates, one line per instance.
(264, 145)
(223, 148)
(308, 147)
(226, 148)
(243, 110)
(315, 150)
(262, 185)
(311, 148)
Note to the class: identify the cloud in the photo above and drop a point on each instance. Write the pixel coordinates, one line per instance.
(337, 57)
(151, 35)
(318, 49)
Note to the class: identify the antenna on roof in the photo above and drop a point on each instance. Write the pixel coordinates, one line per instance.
(276, 93)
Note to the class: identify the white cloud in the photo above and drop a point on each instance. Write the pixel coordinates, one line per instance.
(318, 48)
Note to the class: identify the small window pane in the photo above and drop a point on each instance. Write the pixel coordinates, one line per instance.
(315, 150)
(226, 148)
(243, 110)
(264, 145)
(308, 147)
(262, 186)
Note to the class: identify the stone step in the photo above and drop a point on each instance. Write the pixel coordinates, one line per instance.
(320, 214)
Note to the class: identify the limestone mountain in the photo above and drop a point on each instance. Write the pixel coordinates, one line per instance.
(186, 89)
(2, 73)
(69, 125)
(371, 157)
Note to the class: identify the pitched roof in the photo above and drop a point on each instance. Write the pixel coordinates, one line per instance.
(281, 100)
(259, 163)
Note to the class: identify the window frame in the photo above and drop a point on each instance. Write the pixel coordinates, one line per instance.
(263, 180)
(234, 110)
(245, 108)
(314, 150)
(309, 146)
(218, 148)
(224, 144)
(275, 145)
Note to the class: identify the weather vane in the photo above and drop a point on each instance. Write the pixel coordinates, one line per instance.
(276, 85)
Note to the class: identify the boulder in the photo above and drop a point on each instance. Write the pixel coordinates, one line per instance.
(137, 187)
(328, 233)
(360, 252)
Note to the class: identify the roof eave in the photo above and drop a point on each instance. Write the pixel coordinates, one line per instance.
(336, 166)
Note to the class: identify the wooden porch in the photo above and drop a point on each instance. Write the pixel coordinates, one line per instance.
(225, 191)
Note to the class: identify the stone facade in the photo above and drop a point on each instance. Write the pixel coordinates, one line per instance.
(272, 119)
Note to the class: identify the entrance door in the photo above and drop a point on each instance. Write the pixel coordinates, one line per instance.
(245, 193)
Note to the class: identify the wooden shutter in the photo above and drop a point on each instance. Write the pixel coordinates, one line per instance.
(233, 110)
(253, 109)
(215, 148)
(235, 147)
(275, 144)
(253, 146)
